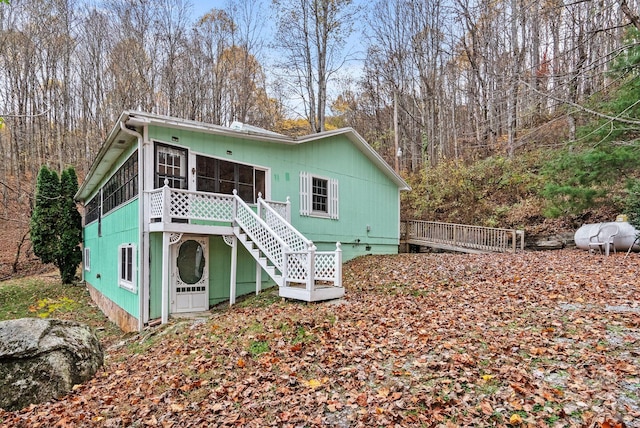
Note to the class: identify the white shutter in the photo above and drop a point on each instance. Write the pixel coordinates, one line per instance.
(305, 193)
(333, 199)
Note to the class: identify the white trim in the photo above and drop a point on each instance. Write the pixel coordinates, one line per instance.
(334, 207)
(123, 282)
(305, 194)
(87, 259)
(306, 197)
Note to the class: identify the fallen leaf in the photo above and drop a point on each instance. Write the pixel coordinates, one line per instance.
(314, 383)
(515, 419)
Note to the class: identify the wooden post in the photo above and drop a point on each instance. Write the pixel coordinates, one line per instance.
(338, 269)
(234, 270)
(235, 206)
(259, 205)
(258, 278)
(311, 267)
(288, 210)
(285, 265)
(166, 202)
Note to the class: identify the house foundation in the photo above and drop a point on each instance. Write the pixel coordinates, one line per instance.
(116, 314)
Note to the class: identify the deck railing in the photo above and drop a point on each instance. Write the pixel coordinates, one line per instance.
(167, 204)
(269, 243)
(463, 237)
(269, 229)
(281, 226)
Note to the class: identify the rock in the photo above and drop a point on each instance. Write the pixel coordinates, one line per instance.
(555, 242)
(41, 359)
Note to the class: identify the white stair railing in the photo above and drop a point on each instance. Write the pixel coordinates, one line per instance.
(282, 208)
(268, 242)
(286, 248)
(303, 258)
(289, 234)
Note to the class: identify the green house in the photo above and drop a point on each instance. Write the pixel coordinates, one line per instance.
(182, 215)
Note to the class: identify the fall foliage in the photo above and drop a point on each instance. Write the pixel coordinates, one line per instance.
(533, 339)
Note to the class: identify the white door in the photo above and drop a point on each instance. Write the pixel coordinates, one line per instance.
(190, 275)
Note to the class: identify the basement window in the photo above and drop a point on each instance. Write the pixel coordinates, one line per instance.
(127, 267)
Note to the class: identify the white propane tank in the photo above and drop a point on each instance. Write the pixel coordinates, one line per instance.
(622, 241)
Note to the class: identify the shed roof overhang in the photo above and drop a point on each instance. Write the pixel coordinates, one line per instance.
(119, 140)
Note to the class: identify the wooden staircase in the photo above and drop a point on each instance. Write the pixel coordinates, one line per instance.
(289, 258)
(270, 269)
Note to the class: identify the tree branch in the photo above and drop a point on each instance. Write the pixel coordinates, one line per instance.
(585, 109)
(634, 18)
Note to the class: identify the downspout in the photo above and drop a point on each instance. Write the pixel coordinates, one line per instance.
(142, 267)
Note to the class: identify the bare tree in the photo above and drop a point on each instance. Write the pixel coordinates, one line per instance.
(311, 35)
(170, 31)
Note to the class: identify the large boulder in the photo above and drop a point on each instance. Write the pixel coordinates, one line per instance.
(41, 359)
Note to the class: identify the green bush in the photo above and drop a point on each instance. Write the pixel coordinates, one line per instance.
(483, 192)
(632, 205)
(56, 224)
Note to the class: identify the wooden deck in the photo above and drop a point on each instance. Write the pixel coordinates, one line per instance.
(461, 237)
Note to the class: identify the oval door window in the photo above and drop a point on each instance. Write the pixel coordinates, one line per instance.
(190, 262)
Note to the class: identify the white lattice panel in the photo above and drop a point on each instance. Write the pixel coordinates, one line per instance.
(325, 266)
(193, 205)
(155, 199)
(285, 231)
(297, 267)
(260, 235)
(279, 207)
(211, 207)
(179, 204)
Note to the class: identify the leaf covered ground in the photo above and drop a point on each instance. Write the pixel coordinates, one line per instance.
(535, 339)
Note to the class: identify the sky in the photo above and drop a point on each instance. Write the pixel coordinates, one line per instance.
(200, 7)
(353, 69)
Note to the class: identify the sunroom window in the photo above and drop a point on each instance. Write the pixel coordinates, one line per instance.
(171, 165)
(221, 176)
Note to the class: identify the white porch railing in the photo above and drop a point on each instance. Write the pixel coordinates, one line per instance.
(263, 237)
(287, 249)
(167, 203)
(461, 237)
(293, 256)
(282, 208)
(282, 227)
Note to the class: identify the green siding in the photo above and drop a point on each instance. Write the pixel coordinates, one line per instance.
(220, 274)
(366, 195)
(155, 275)
(117, 229)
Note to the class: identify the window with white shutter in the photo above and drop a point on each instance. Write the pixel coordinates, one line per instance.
(318, 196)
